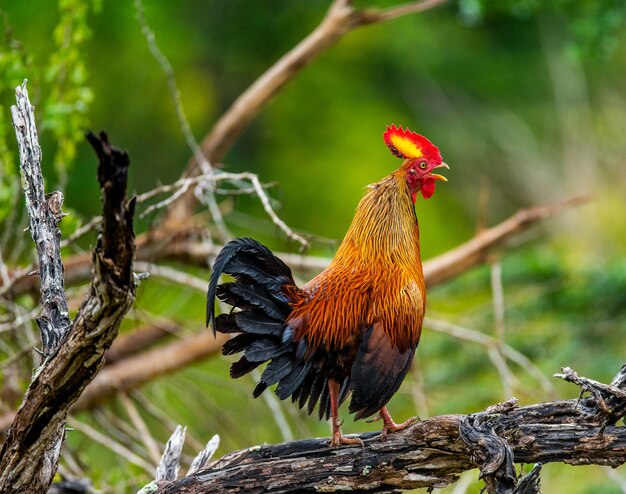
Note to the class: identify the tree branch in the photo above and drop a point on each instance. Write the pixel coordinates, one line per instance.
(431, 453)
(474, 252)
(30, 453)
(135, 371)
(436, 270)
(340, 19)
(44, 213)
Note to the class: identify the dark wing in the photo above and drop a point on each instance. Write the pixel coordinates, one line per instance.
(378, 370)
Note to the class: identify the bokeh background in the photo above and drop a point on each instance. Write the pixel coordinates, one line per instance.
(526, 101)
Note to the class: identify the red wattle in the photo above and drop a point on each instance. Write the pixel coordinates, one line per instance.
(428, 188)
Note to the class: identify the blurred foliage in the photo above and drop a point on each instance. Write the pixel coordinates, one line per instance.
(593, 26)
(526, 100)
(67, 103)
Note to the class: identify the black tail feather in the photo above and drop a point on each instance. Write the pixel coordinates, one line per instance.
(257, 296)
(276, 370)
(261, 308)
(324, 409)
(319, 385)
(226, 323)
(292, 381)
(258, 259)
(264, 349)
(237, 344)
(252, 322)
(242, 367)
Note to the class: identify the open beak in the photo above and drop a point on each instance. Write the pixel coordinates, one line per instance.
(436, 176)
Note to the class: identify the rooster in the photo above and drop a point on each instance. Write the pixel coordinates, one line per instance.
(354, 328)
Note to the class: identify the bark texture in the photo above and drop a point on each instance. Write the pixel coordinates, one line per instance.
(30, 453)
(44, 214)
(431, 453)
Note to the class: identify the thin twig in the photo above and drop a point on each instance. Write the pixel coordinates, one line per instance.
(16, 275)
(141, 426)
(4, 272)
(506, 376)
(70, 461)
(417, 389)
(277, 412)
(107, 442)
(615, 476)
(207, 169)
(489, 342)
(497, 294)
(172, 274)
(244, 190)
(401, 10)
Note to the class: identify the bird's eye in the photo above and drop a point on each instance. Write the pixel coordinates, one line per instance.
(423, 165)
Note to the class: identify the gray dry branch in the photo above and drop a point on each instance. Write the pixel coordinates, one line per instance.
(44, 213)
(433, 452)
(30, 453)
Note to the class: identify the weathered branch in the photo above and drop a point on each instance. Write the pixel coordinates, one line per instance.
(44, 213)
(430, 453)
(30, 453)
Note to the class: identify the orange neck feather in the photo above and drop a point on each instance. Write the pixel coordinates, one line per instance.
(376, 275)
(384, 227)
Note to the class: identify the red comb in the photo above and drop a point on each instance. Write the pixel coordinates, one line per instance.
(407, 144)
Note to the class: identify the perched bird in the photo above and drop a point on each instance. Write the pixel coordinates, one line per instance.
(354, 328)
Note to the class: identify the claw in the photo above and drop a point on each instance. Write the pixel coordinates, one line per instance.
(339, 440)
(391, 426)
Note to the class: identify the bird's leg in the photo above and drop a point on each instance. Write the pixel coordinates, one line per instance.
(390, 425)
(338, 439)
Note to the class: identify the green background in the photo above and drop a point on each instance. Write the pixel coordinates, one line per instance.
(526, 101)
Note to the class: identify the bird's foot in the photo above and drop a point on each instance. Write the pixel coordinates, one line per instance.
(391, 426)
(339, 440)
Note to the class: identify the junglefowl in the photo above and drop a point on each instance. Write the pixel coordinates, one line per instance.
(352, 329)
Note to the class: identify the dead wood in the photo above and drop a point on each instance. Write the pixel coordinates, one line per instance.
(30, 453)
(433, 452)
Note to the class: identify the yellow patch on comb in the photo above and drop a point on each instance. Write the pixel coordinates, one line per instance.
(407, 144)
